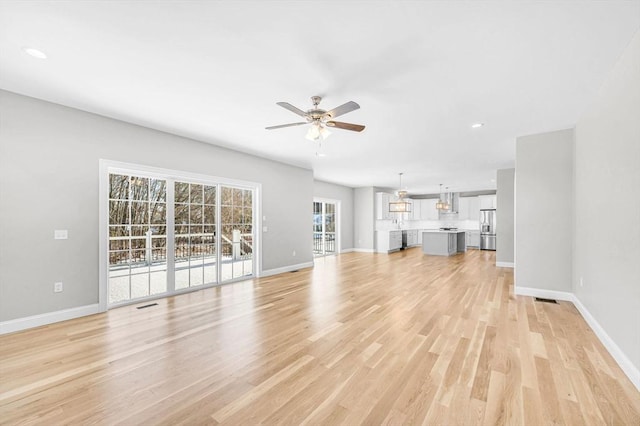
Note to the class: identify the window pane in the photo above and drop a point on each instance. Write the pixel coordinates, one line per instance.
(195, 214)
(139, 231)
(159, 230)
(157, 190)
(210, 214)
(139, 285)
(209, 194)
(119, 212)
(237, 196)
(181, 190)
(226, 196)
(182, 214)
(158, 213)
(182, 229)
(139, 212)
(118, 231)
(115, 245)
(247, 214)
(247, 198)
(139, 188)
(119, 187)
(196, 193)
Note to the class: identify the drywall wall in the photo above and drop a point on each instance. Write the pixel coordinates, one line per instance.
(49, 160)
(505, 213)
(607, 207)
(343, 194)
(364, 218)
(544, 185)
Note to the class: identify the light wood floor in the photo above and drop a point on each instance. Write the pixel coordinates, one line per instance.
(360, 339)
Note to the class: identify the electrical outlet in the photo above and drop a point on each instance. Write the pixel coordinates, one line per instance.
(60, 234)
(265, 229)
(581, 282)
(294, 253)
(57, 287)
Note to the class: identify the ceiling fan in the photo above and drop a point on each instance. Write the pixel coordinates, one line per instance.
(321, 119)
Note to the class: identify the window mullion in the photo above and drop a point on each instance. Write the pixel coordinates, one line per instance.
(170, 223)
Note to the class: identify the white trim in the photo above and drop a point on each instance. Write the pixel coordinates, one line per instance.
(614, 350)
(505, 265)
(362, 250)
(349, 250)
(20, 324)
(545, 294)
(338, 219)
(109, 166)
(276, 271)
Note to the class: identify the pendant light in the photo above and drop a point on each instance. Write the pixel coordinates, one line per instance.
(402, 205)
(442, 203)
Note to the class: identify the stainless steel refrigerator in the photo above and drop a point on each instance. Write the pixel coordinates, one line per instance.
(488, 229)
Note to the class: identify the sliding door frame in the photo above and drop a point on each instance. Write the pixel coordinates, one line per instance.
(107, 167)
(337, 203)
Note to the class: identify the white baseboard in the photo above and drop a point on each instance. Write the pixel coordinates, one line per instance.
(363, 250)
(20, 324)
(623, 361)
(349, 250)
(545, 294)
(505, 264)
(614, 350)
(284, 269)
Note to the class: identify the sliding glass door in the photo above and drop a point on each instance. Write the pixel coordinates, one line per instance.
(324, 228)
(164, 235)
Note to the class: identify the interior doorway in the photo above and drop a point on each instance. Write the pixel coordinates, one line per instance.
(325, 227)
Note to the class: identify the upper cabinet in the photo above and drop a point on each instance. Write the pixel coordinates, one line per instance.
(469, 208)
(382, 206)
(487, 201)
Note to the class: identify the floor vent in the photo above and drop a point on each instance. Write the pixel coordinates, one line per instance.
(147, 306)
(540, 299)
(293, 271)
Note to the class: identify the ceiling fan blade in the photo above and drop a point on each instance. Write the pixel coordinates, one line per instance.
(285, 125)
(342, 109)
(345, 126)
(293, 109)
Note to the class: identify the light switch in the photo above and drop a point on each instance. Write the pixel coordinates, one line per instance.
(60, 234)
(264, 229)
(264, 218)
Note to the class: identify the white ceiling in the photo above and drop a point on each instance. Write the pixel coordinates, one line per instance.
(422, 72)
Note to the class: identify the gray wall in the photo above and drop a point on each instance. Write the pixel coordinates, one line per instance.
(49, 180)
(544, 184)
(364, 218)
(506, 215)
(607, 205)
(345, 195)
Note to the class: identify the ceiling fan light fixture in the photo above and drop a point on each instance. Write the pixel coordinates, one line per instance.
(35, 53)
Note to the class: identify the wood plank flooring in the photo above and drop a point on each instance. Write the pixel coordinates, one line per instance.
(359, 339)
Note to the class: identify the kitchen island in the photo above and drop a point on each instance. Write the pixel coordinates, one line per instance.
(444, 243)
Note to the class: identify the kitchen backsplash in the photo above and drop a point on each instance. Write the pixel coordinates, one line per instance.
(386, 225)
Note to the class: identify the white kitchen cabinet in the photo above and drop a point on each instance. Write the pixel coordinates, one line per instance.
(487, 201)
(412, 237)
(387, 241)
(473, 239)
(469, 208)
(416, 209)
(382, 206)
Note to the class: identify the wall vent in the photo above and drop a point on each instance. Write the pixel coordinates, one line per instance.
(540, 299)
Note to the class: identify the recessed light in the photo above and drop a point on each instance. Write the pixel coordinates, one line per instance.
(35, 52)
(319, 154)
(477, 125)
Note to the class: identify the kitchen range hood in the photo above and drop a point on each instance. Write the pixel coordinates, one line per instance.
(453, 199)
